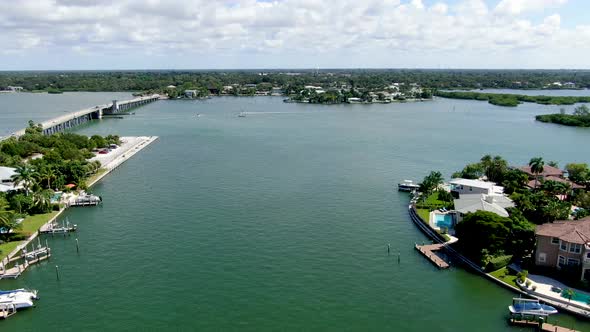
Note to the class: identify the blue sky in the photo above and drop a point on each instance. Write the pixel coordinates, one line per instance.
(199, 34)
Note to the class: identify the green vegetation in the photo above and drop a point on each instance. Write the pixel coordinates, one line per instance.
(513, 99)
(42, 163)
(215, 81)
(485, 237)
(579, 118)
(506, 276)
(424, 214)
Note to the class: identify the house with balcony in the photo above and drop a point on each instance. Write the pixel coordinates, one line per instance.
(564, 244)
(468, 187)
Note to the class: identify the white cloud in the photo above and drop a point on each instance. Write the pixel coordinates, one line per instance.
(298, 28)
(515, 7)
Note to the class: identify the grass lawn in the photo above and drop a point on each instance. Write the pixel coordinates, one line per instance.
(504, 275)
(7, 248)
(424, 214)
(95, 176)
(31, 224)
(433, 200)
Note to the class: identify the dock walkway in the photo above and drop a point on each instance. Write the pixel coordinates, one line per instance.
(546, 327)
(30, 258)
(429, 252)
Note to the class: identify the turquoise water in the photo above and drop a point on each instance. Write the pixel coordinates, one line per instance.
(279, 221)
(443, 220)
(581, 297)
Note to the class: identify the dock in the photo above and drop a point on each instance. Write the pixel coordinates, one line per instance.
(7, 310)
(30, 258)
(55, 228)
(545, 327)
(429, 252)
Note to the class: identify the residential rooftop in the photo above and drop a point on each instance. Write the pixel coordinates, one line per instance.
(570, 231)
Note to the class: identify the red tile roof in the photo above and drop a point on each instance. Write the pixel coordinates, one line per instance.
(547, 171)
(531, 183)
(570, 231)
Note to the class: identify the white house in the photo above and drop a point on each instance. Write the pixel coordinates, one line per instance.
(6, 183)
(468, 186)
(482, 202)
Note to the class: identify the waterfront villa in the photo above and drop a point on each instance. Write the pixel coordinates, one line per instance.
(190, 93)
(468, 186)
(482, 202)
(564, 243)
(549, 173)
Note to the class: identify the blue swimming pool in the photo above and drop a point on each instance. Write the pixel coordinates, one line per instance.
(581, 297)
(443, 220)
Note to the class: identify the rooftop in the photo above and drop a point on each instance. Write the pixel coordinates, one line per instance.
(482, 202)
(573, 185)
(570, 231)
(547, 171)
(6, 172)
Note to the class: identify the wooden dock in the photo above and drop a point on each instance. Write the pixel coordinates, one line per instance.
(7, 310)
(546, 327)
(429, 252)
(29, 258)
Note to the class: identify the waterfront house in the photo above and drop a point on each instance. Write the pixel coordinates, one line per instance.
(468, 203)
(564, 244)
(549, 173)
(467, 186)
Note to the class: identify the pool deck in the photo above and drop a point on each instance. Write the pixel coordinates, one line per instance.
(429, 252)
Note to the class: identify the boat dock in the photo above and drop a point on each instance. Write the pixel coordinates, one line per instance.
(429, 252)
(7, 310)
(545, 327)
(30, 258)
(55, 228)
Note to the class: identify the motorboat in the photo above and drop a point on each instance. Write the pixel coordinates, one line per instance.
(32, 293)
(530, 307)
(407, 185)
(20, 299)
(242, 115)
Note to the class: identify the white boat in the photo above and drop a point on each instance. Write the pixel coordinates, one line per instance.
(33, 293)
(242, 115)
(407, 185)
(20, 299)
(530, 307)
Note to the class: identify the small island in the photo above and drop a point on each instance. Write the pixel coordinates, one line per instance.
(513, 100)
(579, 118)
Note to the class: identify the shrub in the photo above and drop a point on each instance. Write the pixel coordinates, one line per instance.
(498, 262)
(522, 275)
(528, 283)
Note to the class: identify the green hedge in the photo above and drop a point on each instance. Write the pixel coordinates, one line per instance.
(498, 262)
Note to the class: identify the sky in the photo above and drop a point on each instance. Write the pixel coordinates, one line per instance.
(242, 34)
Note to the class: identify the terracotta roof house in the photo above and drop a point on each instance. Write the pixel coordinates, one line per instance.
(573, 185)
(564, 243)
(547, 171)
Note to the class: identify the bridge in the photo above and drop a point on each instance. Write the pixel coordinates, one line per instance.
(71, 120)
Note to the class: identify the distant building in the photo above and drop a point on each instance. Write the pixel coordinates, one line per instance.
(171, 87)
(564, 244)
(14, 88)
(190, 93)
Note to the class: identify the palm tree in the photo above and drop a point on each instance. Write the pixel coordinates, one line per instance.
(26, 176)
(536, 165)
(45, 173)
(42, 200)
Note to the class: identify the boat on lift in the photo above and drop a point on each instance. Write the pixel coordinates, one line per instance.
(530, 307)
(21, 299)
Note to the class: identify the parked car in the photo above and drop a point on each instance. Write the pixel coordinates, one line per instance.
(103, 151)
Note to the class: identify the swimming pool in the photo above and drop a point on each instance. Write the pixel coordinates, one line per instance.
(443, 220)
(580, 297)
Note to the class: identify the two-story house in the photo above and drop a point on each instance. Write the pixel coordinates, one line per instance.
(564, 243)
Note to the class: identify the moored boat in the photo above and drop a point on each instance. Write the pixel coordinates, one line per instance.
(407, 185)
(530, 307)
(21, 299)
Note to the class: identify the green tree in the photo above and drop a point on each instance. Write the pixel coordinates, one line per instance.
(537, 168)
(45, 173)
(578, 173)
(430, 183)
(25, 176)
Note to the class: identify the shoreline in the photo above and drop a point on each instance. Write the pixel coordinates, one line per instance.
(125, 152)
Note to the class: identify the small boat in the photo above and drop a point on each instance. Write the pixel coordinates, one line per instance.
(20, 290)
(20, 299)
(407, 185)
(242, 115)
(530, 307)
